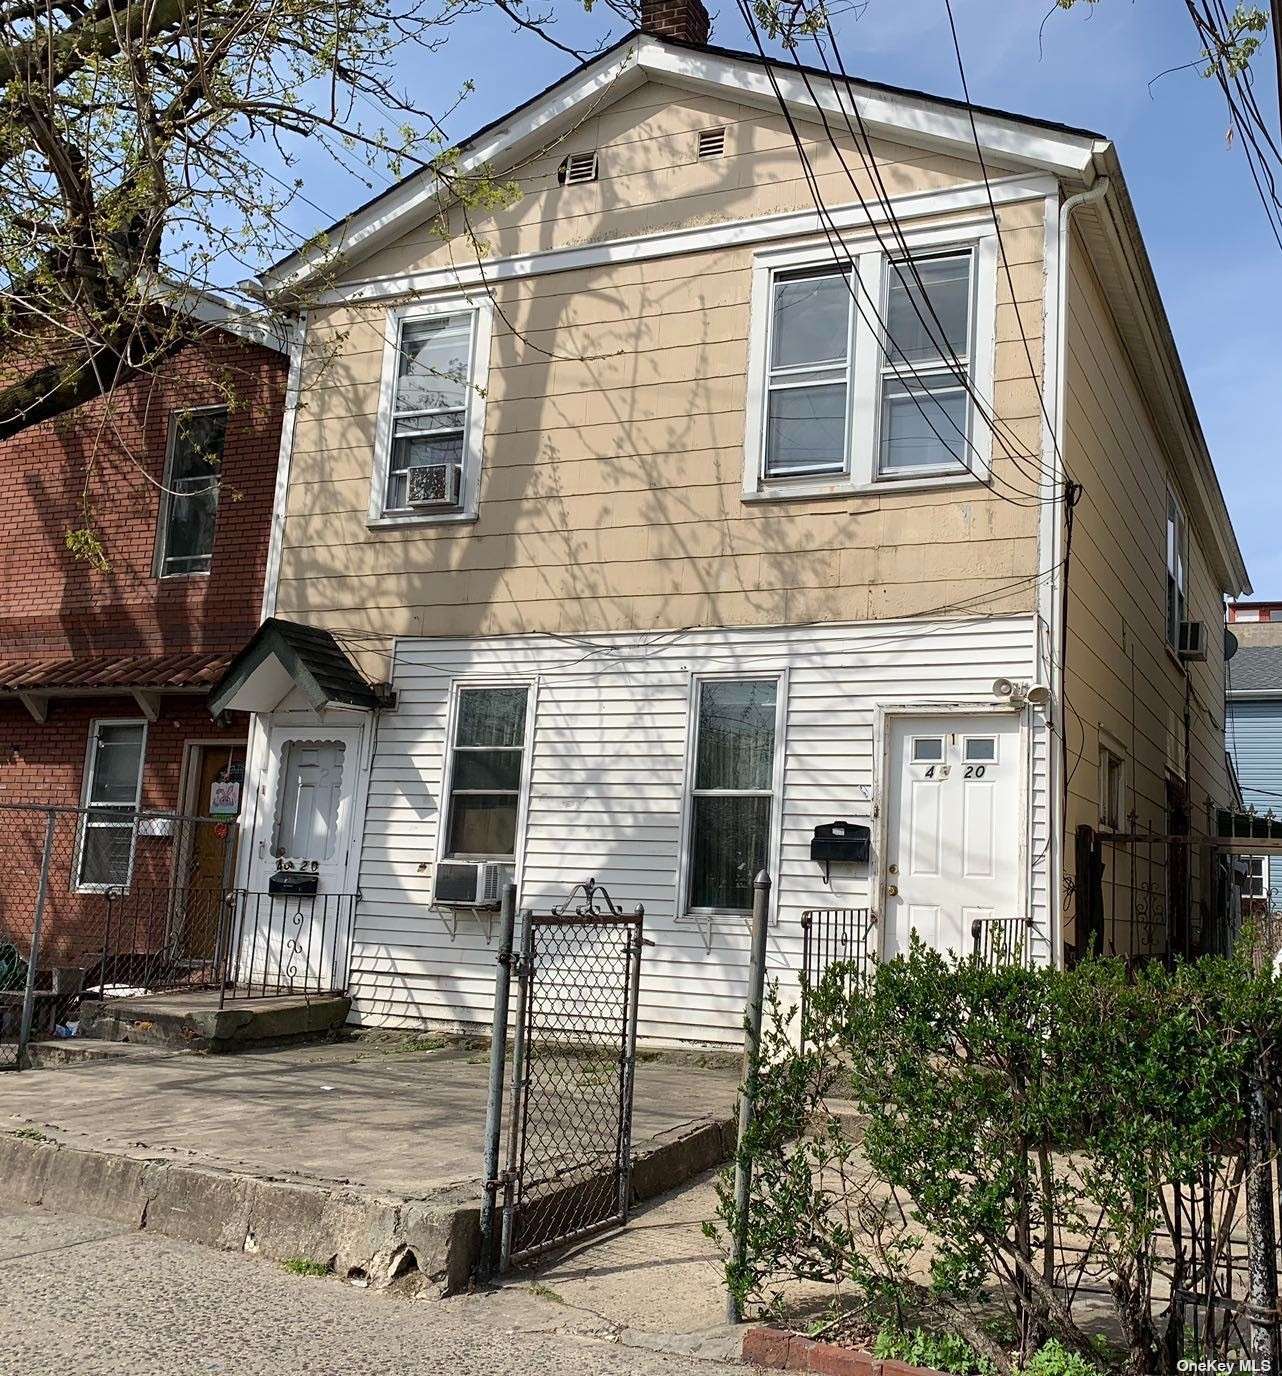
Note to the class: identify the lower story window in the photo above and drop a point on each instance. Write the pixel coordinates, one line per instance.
(485, 778)
(113, 783)
(732, 793)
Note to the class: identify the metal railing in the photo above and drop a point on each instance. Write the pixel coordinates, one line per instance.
(279, 946)
(1002, 941)
(835, 936)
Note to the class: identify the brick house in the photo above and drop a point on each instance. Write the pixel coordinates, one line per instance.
(104, 671)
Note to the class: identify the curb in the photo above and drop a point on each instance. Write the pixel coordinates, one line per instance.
(366, 1237)
(783, 1351)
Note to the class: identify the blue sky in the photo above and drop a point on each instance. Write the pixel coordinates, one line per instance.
(1218, 267)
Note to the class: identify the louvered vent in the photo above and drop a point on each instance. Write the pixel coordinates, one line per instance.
(578, 167)
(712, 143)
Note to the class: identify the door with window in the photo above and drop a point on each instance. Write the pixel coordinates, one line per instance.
(304, 827)
(952, 828)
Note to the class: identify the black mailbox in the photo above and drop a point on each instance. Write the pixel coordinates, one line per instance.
(845, 842)
(293, 884)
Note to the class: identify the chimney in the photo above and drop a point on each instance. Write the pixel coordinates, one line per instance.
(685, 20)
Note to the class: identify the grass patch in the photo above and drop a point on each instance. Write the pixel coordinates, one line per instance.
(303, 1266)
(31, 1135)
(545, 1292)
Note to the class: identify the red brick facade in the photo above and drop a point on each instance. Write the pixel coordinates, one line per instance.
(111, 454)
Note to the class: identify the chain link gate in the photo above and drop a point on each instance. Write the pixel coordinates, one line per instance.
(569, 1129)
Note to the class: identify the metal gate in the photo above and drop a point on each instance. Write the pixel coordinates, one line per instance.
(569, 1130)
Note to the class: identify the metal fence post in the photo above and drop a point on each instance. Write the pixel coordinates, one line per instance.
(498, 1065)
(29, 992)
(524, 967)
(636, 946)
(1262, 1276)
(751, 1051)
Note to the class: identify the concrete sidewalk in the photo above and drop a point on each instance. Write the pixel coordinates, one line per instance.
(361, 1154)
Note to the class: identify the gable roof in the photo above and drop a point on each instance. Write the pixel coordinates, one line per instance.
(283, 656)
(1256, 669)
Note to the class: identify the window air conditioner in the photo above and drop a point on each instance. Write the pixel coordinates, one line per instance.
(1192, 640)
(472, 884)
(435, 484)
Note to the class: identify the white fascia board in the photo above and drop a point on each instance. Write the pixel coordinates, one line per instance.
(415, 199)
(757, 229)
(898, 116)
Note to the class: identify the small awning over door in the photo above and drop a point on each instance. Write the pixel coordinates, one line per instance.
(285, 657)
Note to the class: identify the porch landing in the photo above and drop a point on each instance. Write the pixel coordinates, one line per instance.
(193, 1021)
(362, 1155)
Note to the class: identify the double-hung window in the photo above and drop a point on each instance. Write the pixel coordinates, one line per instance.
(487, 766)
(808, 383)
(1177, 566)
(925, 372)
(732, 795)
(112, 788)
(189, 506)
(1112, 789)
(431, 422)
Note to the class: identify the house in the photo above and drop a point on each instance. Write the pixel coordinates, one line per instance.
(779, 462)
(106, 663)
(1253, 731)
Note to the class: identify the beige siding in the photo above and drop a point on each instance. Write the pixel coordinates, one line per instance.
(611, 488)
(1120, 675)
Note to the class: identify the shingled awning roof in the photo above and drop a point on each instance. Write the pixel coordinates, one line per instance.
(34, 680)
(285, 656)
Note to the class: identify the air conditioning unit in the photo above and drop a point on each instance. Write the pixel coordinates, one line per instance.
(435, 484)
(1192, 640)
(472, 883)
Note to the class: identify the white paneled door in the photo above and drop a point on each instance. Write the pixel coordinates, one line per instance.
(952, 827)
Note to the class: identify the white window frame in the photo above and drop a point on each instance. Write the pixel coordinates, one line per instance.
(1110, 751)
(482, 312)
(457, 688)
(166, 494)
(685, 856)
(1248, 888)
(865, 363)
(86, 782)
(1177, 551)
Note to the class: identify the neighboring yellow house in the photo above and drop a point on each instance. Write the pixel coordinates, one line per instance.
(718, 489)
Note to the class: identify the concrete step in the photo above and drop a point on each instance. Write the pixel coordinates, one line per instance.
(77, 1051)
(195, 1022)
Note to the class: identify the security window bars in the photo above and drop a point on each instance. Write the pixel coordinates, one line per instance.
(113, 783)
(925, 405)
(431, 399)
(1177, 564)
(808, 385)
(189, 508)
(485, 777)
(733, 792)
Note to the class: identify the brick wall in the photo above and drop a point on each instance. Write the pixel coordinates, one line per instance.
(111, 453)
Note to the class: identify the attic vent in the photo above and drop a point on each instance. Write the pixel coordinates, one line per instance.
(578, 167)
(712, 143)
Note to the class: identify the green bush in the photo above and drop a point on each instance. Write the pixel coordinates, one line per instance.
(940, 1352)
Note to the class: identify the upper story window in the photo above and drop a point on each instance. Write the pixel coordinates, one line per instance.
(487, 766)
(189, 504)
(870, 371)
(431, 419)
(1177, 570)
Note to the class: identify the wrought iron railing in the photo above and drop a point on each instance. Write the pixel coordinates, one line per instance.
(1002, 941)
(297, 945)
(831, 937)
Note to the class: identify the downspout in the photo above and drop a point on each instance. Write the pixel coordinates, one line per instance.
(1058, 583)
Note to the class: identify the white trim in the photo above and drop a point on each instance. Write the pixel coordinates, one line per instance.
(708, 916)
(864, 366)
(481, 309)
(159, 553)
(756, 229)
(530, 683)
(86, 781)
(284, 457)
(900, 115)
(885, 713)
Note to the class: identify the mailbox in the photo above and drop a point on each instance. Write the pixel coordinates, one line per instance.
(293, 884)
(847, 843)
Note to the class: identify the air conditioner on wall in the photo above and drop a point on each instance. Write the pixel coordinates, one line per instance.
(1192, 640)
(434, 485)
(472, 883)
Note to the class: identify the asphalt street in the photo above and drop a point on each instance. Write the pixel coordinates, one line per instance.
(77, 1293)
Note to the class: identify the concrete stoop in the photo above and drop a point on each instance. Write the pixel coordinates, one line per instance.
(364, 1236)
(195, 1022)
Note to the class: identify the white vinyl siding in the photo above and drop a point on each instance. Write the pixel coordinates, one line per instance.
(607, 744)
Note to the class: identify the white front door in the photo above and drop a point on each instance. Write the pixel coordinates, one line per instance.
(952, 827)
(304, 827)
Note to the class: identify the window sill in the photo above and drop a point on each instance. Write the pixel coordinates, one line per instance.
(447, 518)
(794, 492)
(176, 577)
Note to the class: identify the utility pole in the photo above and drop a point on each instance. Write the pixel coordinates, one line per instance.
(1276, 25)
